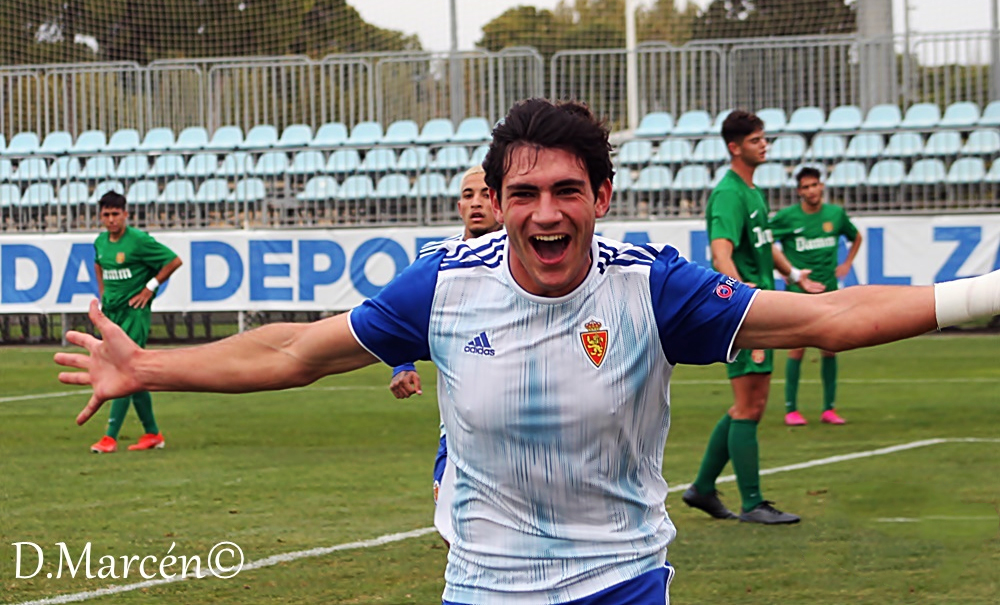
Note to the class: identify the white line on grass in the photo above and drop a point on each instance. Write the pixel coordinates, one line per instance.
(416, 533)
(81, 392)
(934, 518)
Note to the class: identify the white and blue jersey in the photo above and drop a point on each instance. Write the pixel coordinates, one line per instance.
(556, 409)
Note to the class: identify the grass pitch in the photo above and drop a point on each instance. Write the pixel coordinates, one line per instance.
(343, 461)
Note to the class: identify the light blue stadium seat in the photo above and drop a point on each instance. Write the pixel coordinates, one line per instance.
(104, 187)
(72, 194)
(993, 176)
(436, 132)
(904, 145)
(944, 143)
(271, 165)
(22, 143)
(770, 176)
(966, 171)
(319, 189)
(716, 128)
(635, 153)
(124, 140)
(827, 148)
(451, 158)
(930, 171)
(984, 141)
(710, 151)
(673, 151)
(306, 163)
(157, 140)
(844, 118)
(693, 123)
(774, 119)
(961, 115)
(921, 116)
(343, 161)
(392, 186)
(365, 134)
(213, 191)
(295, 135)
(132, 167)
(10, 195)
(379, 161)
(332, 134)
(691, 178)
(622, 181)
(235, 165)
(3, 143)
(357, 187)
(431, 184)
(455, 186)
(201, 166)
(143, 192)
(261, 136)
(192, 138)
(990, 117)
(478, 155)
(38, 194)
(64, 168)
(655, 125)
(90, 142)
(180, 191)
(882, 117)
(850, 173)
(56, 143)
(225, 138)
(653, 179)
(167, 166)
(6, 170)
(413, 159)
(472, 131)
(720, 173)
(864, 147)
(887, 173)
(401, 132)
(31, 170)
(788, 148)
(806, 120)
(98, 168)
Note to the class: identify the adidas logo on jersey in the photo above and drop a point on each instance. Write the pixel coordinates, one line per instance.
(480, 345)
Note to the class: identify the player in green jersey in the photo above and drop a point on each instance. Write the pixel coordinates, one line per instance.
(810, 237)
(743, 248)
(130, 266)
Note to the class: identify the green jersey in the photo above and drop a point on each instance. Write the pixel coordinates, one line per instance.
(811, 241)
(126, 265)
(739, 214)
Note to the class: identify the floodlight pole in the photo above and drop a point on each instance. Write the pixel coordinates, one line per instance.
(994, 52)
(631, 66)
(455, 69)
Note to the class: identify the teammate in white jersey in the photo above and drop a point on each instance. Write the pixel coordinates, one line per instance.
(554, 350)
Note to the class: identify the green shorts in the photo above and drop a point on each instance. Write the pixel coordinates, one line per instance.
(135, 322)
(756, 361)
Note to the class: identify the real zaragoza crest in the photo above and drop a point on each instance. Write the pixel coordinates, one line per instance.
(595, 342)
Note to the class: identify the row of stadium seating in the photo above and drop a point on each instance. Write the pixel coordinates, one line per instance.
(961, 115)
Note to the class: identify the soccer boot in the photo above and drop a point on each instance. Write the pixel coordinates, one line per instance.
(708, 503)
(106, 445)
(149, 441)
(831, 417)
(795, 419)
(768, 515)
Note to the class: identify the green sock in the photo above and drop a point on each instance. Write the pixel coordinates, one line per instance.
(716, 457)
(745, 455)
(828, 369)
(119, 407)
(792, 370)
(143, 402)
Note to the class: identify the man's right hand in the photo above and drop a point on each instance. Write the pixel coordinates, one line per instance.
(405, 384)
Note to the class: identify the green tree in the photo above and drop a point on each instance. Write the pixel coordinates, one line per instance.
(759, 18)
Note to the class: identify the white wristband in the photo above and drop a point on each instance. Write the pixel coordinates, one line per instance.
(795, 275)
(152, 284)
(963, 300)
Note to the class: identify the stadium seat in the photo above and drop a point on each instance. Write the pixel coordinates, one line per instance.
(180, 191)
(213, 191)
(864, 147)
(653, 179)
(921, 116)
(201, 166)
(236, 165)
(192, 138)
(431, 184)
(122, 141)
(795, 170)
(3, 143)
(962, 115)
(90, 142)
(365, 134)
(10, 195)
(451, 158)
(64, 168)
(673, 151)
(770, 176)
(392, 186)
(379, 161)
(478, 155)
(307, 163)
(716, 128)
(455, 186)
(944, 143)
(622, 181)
(225, 138)
(691, 178)
(38, 194)
(472, 131)
(72, 194)
(132, 167)
(401, 132)
(319, 189)
(167, 166)
(343, 161)
(696, 122)
(413, 159)
(104, 187)
(788, 148)
(260, 137)
(294, 135)
(720, 173)
(887, 173)
(774, 120)
(882, 117)
(990, 117)
(98, 168)
(904, 145)
(926, 172)
(806, 120)
(710, 151)
(655, 125)
(436, 132)
(143, 192)
(6, 170)
(843, 118)
(993, 176)
(982, 142)
(31, 170)
(332, 134)
(635, 153)
(966, 171)
(357, 187)
(56, 143)
(157, 140)
(271, 165)
(22, 143)
(850, 173)
(827, 148)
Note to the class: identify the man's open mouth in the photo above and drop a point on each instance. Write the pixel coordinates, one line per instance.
(549, 247)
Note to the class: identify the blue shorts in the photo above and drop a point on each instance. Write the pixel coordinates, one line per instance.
(648, 589)
(439, 461)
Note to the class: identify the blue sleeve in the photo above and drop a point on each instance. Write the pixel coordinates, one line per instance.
(393, 324)
(406, 367)
(698, 311)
